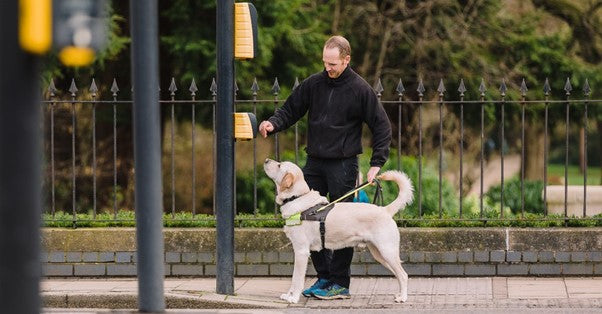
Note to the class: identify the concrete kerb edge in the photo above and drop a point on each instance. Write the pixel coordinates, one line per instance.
(172, 301)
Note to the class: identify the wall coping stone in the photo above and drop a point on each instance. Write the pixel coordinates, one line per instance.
(191, 240)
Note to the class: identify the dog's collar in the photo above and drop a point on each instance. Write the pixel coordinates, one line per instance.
(290, 199)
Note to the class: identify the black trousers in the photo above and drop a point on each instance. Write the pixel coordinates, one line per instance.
(332, 178)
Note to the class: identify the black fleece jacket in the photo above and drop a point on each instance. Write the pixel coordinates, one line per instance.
(337, 107)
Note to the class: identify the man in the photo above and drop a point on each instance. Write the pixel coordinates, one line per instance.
(338, 101)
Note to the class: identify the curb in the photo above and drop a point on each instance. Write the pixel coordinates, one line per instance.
(172, 301)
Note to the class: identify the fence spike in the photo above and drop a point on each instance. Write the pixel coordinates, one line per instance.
(503, 88)
(378, 87)
(213, 87)
(546, 87)
(568, 87)
(400, 89)
(93, 88)
(441, 88)
(276, 87)
(462, 88)
(420, 88)
(235, 88)
(482, 87)
(523, 88)
(296, 83)
(73, 88)
(114, 87)
(255, 87)
(586, 88)
(193, 89)
(51, 88)
(172, 87)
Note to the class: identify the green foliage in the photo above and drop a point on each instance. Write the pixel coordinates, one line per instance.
(430, 186)
(528, 221)
(187, 220)
(266, 192)
(512, 195)
(291, 35)
(88, 220)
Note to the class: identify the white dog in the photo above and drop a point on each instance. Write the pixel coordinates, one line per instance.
(347, 224)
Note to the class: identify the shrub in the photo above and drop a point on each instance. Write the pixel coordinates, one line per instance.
(512, 195)
(430, 187)
(266, 192)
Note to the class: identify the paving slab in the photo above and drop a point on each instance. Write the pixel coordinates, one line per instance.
(536, 288)
(584, 288)
(367, 293)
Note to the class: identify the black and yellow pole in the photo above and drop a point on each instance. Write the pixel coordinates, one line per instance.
(25, 30)
(236, 38)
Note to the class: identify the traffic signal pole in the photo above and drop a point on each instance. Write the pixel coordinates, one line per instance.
(224, 198)
(20, 170)
(147, 154)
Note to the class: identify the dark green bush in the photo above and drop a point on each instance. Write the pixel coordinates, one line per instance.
(430, 187)
(266, 192)
(512, 195)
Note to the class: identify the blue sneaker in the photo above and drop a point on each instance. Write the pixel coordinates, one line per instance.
(319, 284)
(333, 291)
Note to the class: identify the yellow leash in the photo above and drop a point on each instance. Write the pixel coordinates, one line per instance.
(357, 189)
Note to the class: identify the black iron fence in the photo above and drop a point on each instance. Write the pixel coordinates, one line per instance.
(89, 165)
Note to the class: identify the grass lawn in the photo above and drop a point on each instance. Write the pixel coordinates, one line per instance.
(556, 172)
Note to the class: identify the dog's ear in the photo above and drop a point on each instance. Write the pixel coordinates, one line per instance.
(287, 181)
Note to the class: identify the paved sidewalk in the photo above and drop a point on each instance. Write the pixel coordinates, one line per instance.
(367, 293)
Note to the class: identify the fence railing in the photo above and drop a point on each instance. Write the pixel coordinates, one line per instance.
(87, 172)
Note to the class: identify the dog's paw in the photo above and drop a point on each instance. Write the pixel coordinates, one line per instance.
(401, 298)
(289, 297)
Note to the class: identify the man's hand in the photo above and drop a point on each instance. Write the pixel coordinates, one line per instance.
(265, 127)
(372, 173)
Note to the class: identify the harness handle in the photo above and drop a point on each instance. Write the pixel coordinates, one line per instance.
(378, 194)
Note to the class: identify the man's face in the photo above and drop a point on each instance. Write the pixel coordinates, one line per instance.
(333, 63)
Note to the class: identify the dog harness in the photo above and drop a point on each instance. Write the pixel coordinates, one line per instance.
(317, 212)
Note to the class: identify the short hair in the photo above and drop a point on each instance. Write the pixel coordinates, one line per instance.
(341, 43)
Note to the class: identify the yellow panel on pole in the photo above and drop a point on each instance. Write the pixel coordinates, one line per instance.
(35, 25)
(245, 30)
(245, 126)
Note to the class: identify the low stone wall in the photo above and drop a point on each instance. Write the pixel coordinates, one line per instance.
(267, 252)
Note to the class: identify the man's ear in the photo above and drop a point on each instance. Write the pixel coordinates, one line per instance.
(287, 181)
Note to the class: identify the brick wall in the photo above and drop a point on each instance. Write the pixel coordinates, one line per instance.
(267, 252)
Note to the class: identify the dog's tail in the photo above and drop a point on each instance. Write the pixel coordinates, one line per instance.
(406, 191)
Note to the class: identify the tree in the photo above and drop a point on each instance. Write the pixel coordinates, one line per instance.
(584, 20)
(473, 40)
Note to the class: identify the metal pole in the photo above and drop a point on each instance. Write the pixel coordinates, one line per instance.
(147, 155)
(224, 198)
(20, 170)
